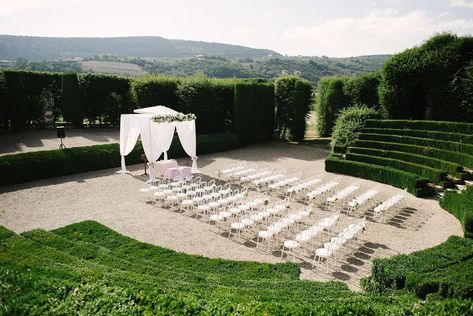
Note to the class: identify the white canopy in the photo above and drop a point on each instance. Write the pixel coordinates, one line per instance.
(156, 138)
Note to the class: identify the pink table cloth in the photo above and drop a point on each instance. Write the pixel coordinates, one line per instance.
(178, 173)
(163, 165)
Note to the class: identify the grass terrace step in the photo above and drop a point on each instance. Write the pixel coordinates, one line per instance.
(393, 273)
(45, 273)
(426, 142)
(447, 155)
(452, 168)
(451, 137)
(414, 183)
(440, 126)
(434, 175)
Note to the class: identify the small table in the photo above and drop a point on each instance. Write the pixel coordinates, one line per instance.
(178, 173)
(163, 165)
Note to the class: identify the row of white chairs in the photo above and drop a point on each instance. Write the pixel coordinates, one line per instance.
(303, 186)
(392, 201)
(238, 209)
(236, 169)
(351, 232)
(321, 190)
(308, 234)
(283, 224)
(258, 217)
(362, 199)
(278, 185)
(341, 195)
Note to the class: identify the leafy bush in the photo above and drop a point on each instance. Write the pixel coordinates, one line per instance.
(105, 97)
(253, 111)
(426, 142)
(447, 155)
(439, 126)
(210, 100)
(452, 137)
(461, 206)
(414, 184)
(349, 123)
(330, 100)
(424, 271)
(54, 163)
(336, 93)
(17, 108)
(452, 168)
(292, 98)
(72, 105)
(155, 90)
(434, 175)
(3, 101)
(416, 83)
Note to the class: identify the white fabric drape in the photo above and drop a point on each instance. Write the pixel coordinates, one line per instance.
(186, 133)
(129, 132)
(156, 138)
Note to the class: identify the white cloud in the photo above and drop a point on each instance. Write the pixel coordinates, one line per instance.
(462, 3)
(385, 31)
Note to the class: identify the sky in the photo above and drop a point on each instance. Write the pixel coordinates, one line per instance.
(335, 28)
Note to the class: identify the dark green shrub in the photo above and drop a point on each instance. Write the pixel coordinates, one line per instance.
(426, 142)
(349, 123)
(54, 163)
(72, 103)
(452, 137)
(3, 101)
(330, 100)
(439, 126)
(416, 83)
(363, 89)
(414, 184)
(253, 112)
(434, 175)
(292, 98)
(461, 206)
(420, 269)
(105, 97)
(155, 90)
(452, 168)
(447, 155)
(17, 108)
(210, 100)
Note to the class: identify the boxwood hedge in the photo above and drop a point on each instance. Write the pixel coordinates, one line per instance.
(461, 206)
(451, 168)
(452, 137)
(414, 183)
(434, 175)
(447, 155)
(426, 142)
(439, 126)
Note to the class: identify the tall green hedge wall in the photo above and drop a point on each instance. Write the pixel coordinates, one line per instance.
(253, 111)
(292, 98)
(421, 82)
(100, 99)
(337, 93)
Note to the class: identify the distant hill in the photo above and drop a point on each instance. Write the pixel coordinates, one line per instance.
(53, 48)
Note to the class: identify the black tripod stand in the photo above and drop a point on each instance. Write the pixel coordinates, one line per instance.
(62, 146)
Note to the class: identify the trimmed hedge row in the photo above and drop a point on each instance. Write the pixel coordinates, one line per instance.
(54, 163)
(452, 156)
(434, 175)
(444, 269)
(253, 112)
(426, 142)
(415, 184)
(292, 98)
(87, 268)
(452, 168)
(439, 126)
(452, 137)
(461, 206)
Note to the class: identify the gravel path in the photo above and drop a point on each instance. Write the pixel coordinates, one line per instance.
(114, 200)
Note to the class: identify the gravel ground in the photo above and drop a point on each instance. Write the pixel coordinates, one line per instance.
(114, 200)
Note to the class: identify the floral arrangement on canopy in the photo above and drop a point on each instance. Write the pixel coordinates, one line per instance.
(168, 118)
